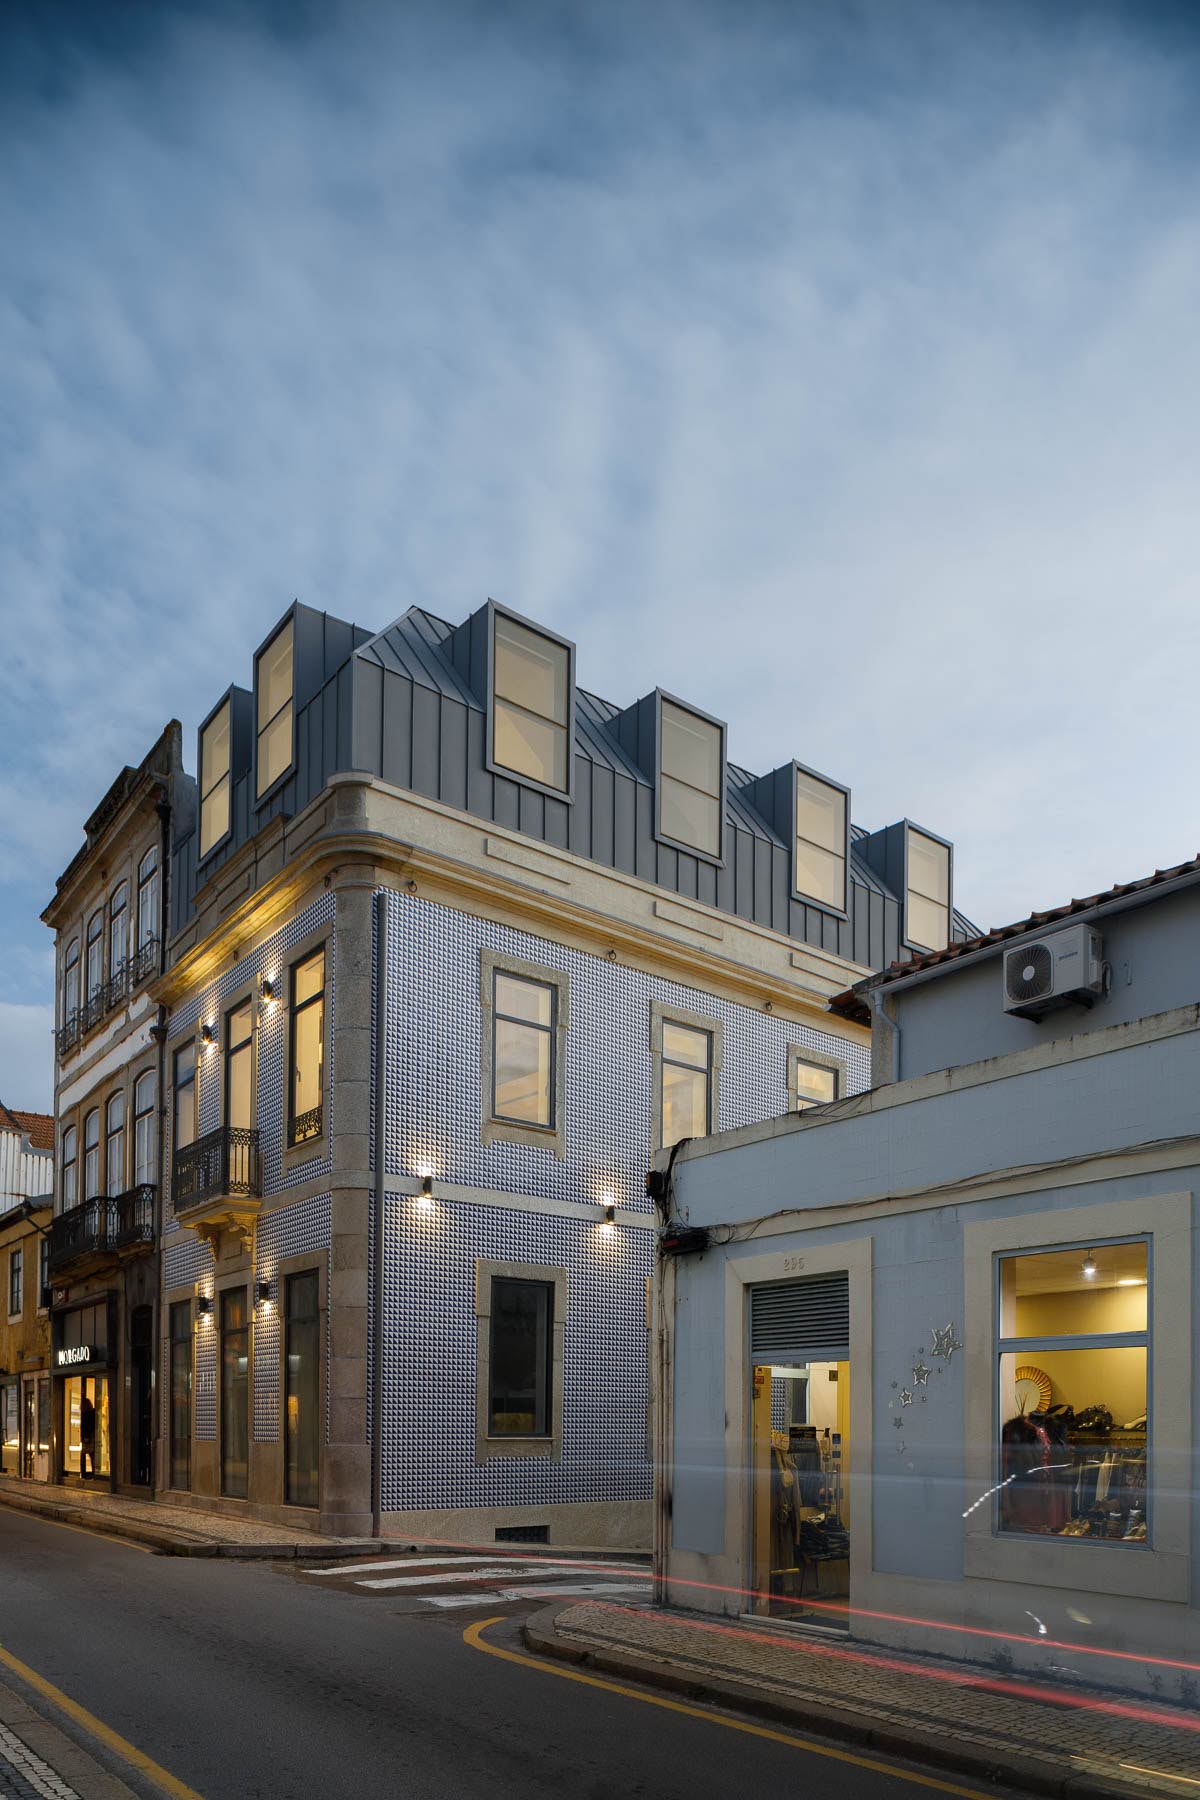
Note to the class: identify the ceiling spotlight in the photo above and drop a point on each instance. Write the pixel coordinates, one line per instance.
(1089, 1270)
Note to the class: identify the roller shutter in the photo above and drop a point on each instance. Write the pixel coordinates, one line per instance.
(799, 1320)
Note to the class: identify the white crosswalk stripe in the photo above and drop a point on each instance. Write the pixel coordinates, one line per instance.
(553, 1590)
(492, 1579)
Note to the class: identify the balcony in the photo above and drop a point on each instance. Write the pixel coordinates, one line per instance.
(216, 1183)
(100, 1229)
(124, 982)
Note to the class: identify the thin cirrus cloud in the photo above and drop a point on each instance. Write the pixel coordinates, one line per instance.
(830, 366)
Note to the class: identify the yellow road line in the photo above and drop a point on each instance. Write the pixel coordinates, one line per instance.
(137, 1759)
(473, 1635)
(91, 1531)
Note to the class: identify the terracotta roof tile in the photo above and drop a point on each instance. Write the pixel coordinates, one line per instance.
(37, 1127)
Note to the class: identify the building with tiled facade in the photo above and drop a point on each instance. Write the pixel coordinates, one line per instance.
(454, 948)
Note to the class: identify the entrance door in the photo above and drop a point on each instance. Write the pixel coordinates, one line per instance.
(141, 1335)
(801, 1500)
(85, 1426)
(235, 1392)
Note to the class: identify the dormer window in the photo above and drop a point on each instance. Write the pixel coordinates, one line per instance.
(274, 686)
(690, 768)
(927, 902)
(214, 779)
(820, 846)
(531, 703)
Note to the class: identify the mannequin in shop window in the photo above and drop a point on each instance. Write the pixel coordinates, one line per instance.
(87, 1439)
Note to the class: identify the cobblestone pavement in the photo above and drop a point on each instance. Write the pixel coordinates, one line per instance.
(37, 1762)
(1144, 1744)
(25, 1776)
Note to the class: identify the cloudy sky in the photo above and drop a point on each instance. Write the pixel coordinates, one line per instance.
(834, 365)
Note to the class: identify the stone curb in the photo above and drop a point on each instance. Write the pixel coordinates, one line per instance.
(847, 1724)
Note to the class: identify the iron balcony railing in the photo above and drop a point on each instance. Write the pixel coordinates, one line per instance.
(102, 1225)
(125, 980)
(221, 1163)
(305, 1126)
(69, 1033)
(143, 963)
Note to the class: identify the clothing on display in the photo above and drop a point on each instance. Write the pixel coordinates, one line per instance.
(806, 1527)
(1074, 1475)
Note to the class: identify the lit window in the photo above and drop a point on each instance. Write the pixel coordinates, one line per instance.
(523, 1063)
(306, 1100)
(114, 1145)
(689, 780)
(70, 1145)
(95, 955)
(1074, 1423)
(302, 1398)
(184, 1121)
(531, 699)
(274, 685)
(70, 1001)
(239, 1067)
(686, 1082)
(214, 779)
(520, 1363)
(91, 1155)
(147, 900)
(144, 1135)
(118, 931)
(928, 905)
(16, 1276)
(812, 1083)
(820, 871)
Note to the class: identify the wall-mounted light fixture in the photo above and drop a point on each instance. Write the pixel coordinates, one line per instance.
(610, 1214)
(425, 1196)
(262, 1294)
(204, 1306)
(266, 992)
(208, 1036)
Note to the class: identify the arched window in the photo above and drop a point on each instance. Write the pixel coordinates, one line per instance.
(70, 987)
(114, 1144)
(147, 900)
(70, 1150)
(144, 1136)
(94, 972)
(118, 931)
(91, 1154)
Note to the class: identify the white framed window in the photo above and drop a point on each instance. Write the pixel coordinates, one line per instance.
(531, 703)
(274, 681)
(91, 1154)
(145, 1136)
(114, 1144)
(94, 970)
(691, 753)
(118, 930)
(686, 1049)
(927, 901)
(814, 1079)
(147, 898)
(70, 1152)
(215, 768)
(70, 993)
(822, 826)
(523, 1008)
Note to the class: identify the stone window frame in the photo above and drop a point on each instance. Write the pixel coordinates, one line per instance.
(663, 1014)
(302, 1262)
(16, 1265)
(486, 1273)
(312, 1149)
(492, 1130)
(817, 1059)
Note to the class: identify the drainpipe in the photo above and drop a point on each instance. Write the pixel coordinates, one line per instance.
(158, 1031)
(379, 1148)
(888, 1029)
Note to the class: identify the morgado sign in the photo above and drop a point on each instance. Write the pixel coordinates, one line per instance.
(75, 1354)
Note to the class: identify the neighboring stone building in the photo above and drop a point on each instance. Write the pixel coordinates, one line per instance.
(454, 947)
(26, 1180)
(108, 917)
(930, 1351)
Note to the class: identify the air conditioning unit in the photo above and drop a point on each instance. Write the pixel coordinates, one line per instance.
(1064, 968)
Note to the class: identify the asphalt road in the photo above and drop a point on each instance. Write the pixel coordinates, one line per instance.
(244, 1680)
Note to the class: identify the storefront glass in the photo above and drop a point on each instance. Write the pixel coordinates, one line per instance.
(85, 1425)
(10, 1428)
(1073, 1393)
(235, 1393)
(801, 1491)
(181, 1394)
(303, 1396)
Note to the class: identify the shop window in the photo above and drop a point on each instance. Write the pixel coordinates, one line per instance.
(214, 780)
(181, 1394)
(687, 1060)
(302, 1388)
(239, 1067)
(147, 899)
(91, 1154)
(16, 1277)
(145, 1159)
(813, 1080)
(927, 904)
(307, 1090)
(531, 703)
(820, 847)
(520, 1315)
(94, 971)
(70, 994)
(118, 931)
(1073, 1390)
(70, 1150)
(690, 779)
(273, 684)
(235, 1393)
(184, 1119)
(85, 1422)
(114, 1145)
(524, 1017)
(10, 1427)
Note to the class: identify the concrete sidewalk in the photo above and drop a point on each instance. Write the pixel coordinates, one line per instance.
(1063, 1740)
(39, 1762)
(175, 1530)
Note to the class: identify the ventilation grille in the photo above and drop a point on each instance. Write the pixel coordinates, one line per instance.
(801, 1319)
(1029, 972)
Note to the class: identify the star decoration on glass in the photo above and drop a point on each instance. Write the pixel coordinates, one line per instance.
(944, 1341)
(898, 1422)
(895, 1384)
(905, 1397)
(901, 1449)
(920, 1374)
